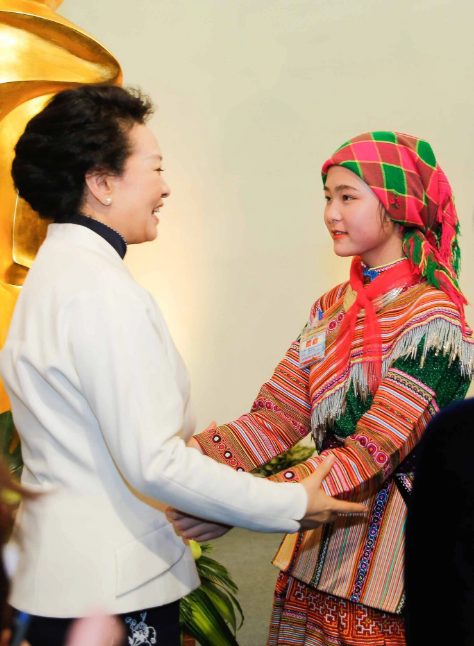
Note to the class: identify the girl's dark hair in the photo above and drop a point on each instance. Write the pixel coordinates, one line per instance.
(81, 130)
(384, 215)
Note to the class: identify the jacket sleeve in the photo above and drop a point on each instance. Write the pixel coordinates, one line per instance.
(406, 400)
(127, 379)
(279, 418)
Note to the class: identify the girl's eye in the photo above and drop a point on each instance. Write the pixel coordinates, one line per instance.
(159, 170)
(327, 198)
(347, 198)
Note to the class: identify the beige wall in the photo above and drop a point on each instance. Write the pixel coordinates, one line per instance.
(253, 95)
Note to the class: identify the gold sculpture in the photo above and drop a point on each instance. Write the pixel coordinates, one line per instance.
(41, 53)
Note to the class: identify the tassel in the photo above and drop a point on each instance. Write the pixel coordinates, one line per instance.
(439, 335)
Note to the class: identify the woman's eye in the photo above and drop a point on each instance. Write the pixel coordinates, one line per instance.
(159, 170)
(347, 198)
(327, 198)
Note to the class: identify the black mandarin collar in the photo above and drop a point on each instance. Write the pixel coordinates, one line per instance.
(113, 237)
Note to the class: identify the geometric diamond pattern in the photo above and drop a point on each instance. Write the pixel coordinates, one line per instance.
(403, 173)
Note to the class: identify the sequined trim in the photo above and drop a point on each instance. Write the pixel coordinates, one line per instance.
(438, 335)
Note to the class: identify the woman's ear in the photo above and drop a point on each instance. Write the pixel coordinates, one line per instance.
(100, 187)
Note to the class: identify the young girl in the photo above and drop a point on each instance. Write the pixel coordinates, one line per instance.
(379, 356)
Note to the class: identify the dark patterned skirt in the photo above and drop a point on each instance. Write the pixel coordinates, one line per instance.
(157, 626)
(303, 616)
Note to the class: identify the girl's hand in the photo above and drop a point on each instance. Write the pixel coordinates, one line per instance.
(195, 529)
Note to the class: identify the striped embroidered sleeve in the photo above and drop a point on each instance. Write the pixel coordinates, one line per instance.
(384, 436)
(279, 418)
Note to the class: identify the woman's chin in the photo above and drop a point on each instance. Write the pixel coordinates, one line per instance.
(151, 233)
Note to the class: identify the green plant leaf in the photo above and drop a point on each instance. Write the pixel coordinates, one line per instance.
(235, 602)
(207, 547)
(239, 608)
(291, 458)
(222, 602)
(213, 571)
(185, 611)
(7, 428)
(207, 613)
(13, 460)
(201, 619)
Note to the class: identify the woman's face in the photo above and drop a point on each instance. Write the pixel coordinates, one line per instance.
(353, 218)
(138, 194)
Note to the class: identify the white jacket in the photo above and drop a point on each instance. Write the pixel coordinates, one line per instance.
(100, 397)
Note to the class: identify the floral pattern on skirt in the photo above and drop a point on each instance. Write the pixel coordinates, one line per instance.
(303, 616)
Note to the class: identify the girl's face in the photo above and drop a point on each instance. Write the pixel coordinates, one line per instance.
(355, 220)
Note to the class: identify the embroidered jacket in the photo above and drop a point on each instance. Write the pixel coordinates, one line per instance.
(427, 364)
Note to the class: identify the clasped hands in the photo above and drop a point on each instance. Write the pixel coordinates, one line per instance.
(321, 507)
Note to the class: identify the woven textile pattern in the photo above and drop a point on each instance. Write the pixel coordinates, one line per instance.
(401, 170)
(426, 365)
(303, 616)
(419, 312)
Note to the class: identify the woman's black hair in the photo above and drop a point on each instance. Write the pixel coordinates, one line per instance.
(80, 130)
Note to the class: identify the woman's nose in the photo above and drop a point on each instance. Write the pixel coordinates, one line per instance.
(166, 190)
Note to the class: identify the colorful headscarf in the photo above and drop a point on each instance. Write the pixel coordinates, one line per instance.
(404, 174)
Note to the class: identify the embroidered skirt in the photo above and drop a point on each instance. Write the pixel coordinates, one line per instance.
(303, 616)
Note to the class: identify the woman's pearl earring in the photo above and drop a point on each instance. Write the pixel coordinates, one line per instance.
(108, 201)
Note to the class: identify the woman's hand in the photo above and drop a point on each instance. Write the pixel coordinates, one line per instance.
(195, 529)
(321, 507)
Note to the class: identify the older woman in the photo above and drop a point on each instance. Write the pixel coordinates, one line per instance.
(100, 395)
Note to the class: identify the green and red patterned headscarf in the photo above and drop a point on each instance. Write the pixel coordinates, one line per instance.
(404, 174)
